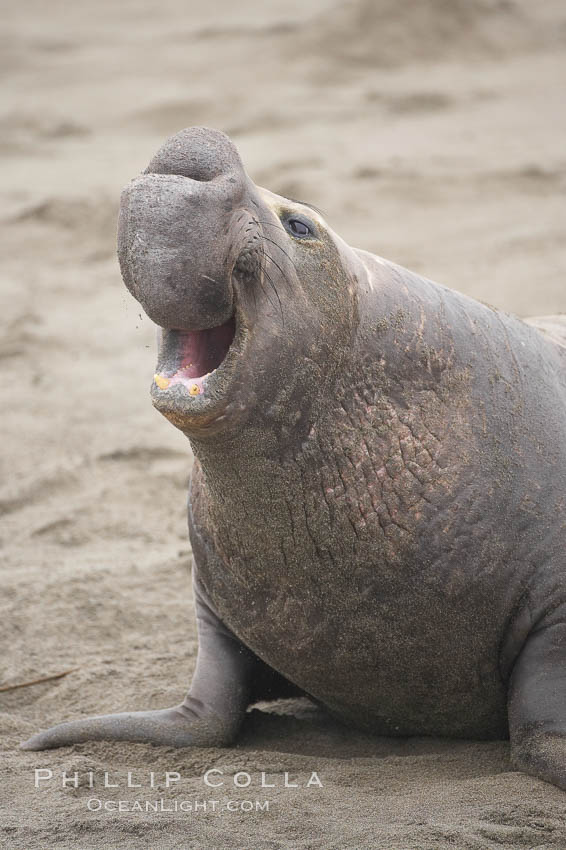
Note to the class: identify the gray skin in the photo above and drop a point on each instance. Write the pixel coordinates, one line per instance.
(377, 508)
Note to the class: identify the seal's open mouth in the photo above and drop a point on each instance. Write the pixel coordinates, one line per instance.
(194, 355)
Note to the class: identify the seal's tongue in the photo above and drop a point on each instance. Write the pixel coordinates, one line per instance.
(197, 354)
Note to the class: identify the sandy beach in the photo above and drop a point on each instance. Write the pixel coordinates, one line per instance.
(431, 132)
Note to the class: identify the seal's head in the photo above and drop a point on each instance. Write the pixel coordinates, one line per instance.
(253, 294)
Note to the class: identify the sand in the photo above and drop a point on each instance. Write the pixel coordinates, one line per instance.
(429, 132)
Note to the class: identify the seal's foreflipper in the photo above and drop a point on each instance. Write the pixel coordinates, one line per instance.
(171, 727)
(537, 705)
(224, 683)
(552, 326)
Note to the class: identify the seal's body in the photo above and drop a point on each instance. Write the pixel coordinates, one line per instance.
(377, 508)
(410, 531)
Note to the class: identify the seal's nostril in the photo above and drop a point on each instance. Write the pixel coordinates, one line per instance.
(199, 153)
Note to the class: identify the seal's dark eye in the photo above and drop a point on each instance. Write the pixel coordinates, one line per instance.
(299, 228)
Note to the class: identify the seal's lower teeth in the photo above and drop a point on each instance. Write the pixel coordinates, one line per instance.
(161, 382)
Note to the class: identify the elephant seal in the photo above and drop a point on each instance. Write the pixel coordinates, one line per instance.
(378, 504)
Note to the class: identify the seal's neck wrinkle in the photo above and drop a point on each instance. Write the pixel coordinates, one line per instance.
(359, 473)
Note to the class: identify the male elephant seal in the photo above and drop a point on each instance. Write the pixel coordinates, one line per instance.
(378, 504)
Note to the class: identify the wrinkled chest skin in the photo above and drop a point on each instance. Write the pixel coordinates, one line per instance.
(391, 556)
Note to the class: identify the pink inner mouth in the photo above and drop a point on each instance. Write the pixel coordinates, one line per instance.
(200, 353)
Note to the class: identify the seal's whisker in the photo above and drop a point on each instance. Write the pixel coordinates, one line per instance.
(268, 276)
(280, 248)
(263, 289)
(277, 266)
(267, 239)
